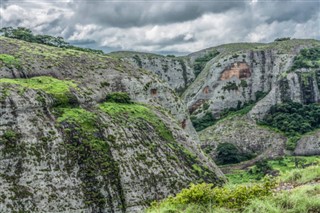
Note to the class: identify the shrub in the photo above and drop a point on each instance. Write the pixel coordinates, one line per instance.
(230, 86)
(263, 167)
(282, 39)
(203, 122)
(9, 60)
(26, 34)
(200, 62)
(228, 153)
(206, 195)
(293, 119)
(119, 97)
(307, 58)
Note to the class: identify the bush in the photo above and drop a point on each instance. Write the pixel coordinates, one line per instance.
(119, 97)
(301, 199)
(293, 119)
(307, 58)
(283, 39)
(26, 34)
(205, 195)
(203, 122)
(200, 62)
(228, 153)
(263, 167)
(230, 86)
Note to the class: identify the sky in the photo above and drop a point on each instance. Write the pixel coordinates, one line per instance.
(164, 26)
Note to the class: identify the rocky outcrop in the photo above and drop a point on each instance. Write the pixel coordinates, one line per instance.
(177, 71)
(257, 75)
(309, 144)
(245, 73)
(245, 134)
(64, 149)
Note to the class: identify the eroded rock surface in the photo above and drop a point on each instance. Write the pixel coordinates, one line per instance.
(64, 149)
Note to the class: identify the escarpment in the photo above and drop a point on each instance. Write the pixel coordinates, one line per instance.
(88, 133)
(85, 132)
(176, 71)
(247, 80)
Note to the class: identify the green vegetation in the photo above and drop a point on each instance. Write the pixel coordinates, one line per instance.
(260, 94)
(209, 120)
(203, 122)
(87, 147)
(135, 113)
(59, 89)
(285, 166)
(25, 34)
(9, 60)
(10, 140)
(210, 198)
(118, 97)
(252, 195)
(307, 58)
(283, 39)
(228, 153)
(78, 116)
(230, 86)
(244, 83)
(301, 199)
(200, 62)
(138, 60)
(293, 119)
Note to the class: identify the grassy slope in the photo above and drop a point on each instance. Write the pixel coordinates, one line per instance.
(303, 194)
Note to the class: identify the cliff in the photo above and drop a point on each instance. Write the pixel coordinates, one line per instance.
(82, 132)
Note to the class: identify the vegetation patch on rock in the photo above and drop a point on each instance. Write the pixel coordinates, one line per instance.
(9, 60)
(134, 113)
(90, 150)
(59, 89)
(293, 119)
(307, 58)
(200, 62)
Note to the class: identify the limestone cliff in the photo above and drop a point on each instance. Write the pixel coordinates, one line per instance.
(255, 77)
(64, 147)
(177, 71)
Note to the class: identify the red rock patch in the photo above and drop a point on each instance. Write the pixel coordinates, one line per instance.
(239, 69)
(153, 92)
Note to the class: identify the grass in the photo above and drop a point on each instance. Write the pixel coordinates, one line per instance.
(9, 60)
(78, 116)
(136, 113)
(302, 199)
(59, 89)
(286, 167)
(301, 176)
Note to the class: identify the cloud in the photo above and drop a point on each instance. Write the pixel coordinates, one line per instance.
(164, 26)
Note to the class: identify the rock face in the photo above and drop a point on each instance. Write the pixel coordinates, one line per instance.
(245, 134)
(256, 75)
(177, 71)
(64, 149)
(239, 74)
(309, 144)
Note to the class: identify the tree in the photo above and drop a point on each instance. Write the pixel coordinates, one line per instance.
(228, 153)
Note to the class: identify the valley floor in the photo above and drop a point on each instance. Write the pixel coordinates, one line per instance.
(294, 189)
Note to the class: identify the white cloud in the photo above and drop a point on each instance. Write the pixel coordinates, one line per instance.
(150, 29)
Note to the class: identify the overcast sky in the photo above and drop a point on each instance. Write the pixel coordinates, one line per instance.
(175, 26)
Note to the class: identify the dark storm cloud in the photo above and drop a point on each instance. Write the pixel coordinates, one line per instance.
(164, 25)
(140, 13)
(299, 11)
